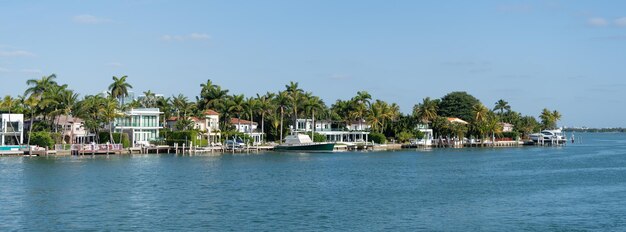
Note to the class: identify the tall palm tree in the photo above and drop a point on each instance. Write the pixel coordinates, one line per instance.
(237, 105)
(549, 118)
(119, 88)
(251, 106)
(39, 86)
(426, 111)
(68, 100)
(181, 103)
(295, 95)
(502, 105)
(264, 106)
(31, 104)
(480, 112)
(311, 105)
(361, 102)
(282, 101)
(149, 99)
(109, 112)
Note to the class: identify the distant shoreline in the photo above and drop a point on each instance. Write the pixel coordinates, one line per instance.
(597, 130)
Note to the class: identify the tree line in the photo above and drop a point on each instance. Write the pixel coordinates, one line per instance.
(47, 100)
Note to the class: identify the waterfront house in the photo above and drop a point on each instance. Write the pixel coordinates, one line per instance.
(73, 130)
(212, 125)
(141, 124)
(506, 127)
(353, 132)
(427, 140)
(11, 129)
(247, 127)
(208, 126)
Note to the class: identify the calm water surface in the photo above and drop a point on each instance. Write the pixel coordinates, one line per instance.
(578, 187)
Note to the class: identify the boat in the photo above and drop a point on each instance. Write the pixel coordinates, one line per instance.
(303, 143)
(549, 136)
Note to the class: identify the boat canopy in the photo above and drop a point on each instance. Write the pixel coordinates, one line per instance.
(298, 139)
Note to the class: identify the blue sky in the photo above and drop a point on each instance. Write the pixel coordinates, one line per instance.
(563, 55)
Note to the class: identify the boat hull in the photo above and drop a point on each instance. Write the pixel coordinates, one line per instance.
(325, 147)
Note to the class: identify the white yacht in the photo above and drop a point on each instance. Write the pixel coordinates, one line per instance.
(549, 136)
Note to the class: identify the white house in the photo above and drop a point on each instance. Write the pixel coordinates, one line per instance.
(353, 132)
(212, 125)
(427, 140)
(247, 127)
(11, 129)
(506, 127)
(142, 125)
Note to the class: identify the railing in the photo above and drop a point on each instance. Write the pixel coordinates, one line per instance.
(94, 147)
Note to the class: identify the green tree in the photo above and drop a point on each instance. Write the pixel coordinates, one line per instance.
(294, 95)
(426, 111)
(502, 105)
(457, 104)
(119, 88)
(109, 112)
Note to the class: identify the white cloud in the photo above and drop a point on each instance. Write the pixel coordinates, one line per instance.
(621, 22)
(192, 36)
(90, 19)
(31, 71)
(597, 22)
(16, 53)
(4, 70)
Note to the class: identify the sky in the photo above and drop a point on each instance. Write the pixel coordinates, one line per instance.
(568, 56)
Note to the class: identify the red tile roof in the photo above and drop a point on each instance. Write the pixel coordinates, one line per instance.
(210, 112)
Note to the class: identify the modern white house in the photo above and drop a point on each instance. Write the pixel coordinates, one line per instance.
(141, 124)
(247, 127)
(353, 132)
(11, 129)
(73, 130)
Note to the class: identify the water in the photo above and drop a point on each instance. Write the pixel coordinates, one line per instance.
(578, 187)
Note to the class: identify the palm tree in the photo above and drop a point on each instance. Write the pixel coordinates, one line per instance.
(361, 102)
(282, 101)
(119, 88)
(236, 106)
(39, 86)
(549, 118)
(426, 112)
(502, 105)
(181, 103)
(68, 104)
(31, 104)
(311, 105)
(480, 112)
(109, 112)
(295, 95)
(377, 115)
(149, 100)
(251, 106)
(264, 106)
